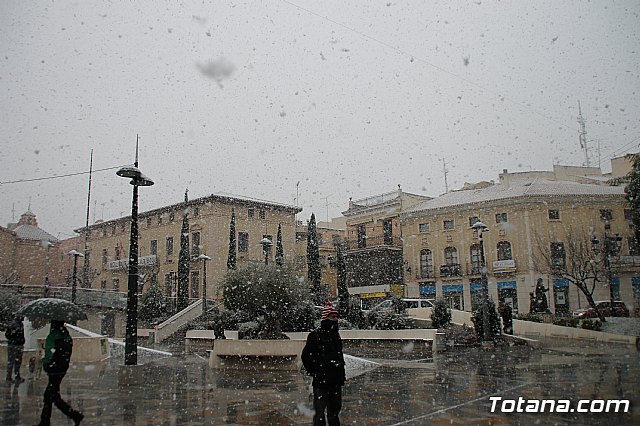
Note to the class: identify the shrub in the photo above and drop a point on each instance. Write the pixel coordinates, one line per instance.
(301, 317)
(231, 319)
(356, 316)
(530, 317)
(250, 329)
(566, 322)
(594, 324)
(9, 305)
(441, 315)
(494, 321)
(153, 304)
(389, 319)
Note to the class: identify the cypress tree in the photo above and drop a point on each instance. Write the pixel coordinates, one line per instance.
(183, 259)
(343, 292)
(313, 260)
(232, 258)
(279, 248)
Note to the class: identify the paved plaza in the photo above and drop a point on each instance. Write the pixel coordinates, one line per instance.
(449, 388)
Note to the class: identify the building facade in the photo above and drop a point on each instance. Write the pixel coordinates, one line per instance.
(532, 221)
(159, 242)
(374, 249)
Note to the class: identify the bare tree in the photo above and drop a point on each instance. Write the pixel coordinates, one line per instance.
(573, 259)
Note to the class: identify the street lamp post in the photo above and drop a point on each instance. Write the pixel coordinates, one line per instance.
(74, 283)
(266, 246)
(204, 259)
(486, 331)
(131, 337)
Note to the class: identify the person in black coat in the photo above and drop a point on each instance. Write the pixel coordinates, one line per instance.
(15, 347)
(323, 359)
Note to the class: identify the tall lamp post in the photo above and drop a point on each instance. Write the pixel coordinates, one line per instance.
(74, 284)
(266, 247)
(131, 337)
(486, 331)
(611, 248)
(204, 259)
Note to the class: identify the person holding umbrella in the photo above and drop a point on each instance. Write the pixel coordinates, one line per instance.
(57, 354)
(15, 347)
(57, 351)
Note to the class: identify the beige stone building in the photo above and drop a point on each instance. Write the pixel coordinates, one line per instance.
(27, 253)
(159, 242)
(527, 214)
(374, 253)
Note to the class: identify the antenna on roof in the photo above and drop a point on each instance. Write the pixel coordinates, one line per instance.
(445, 171)
(582, 135)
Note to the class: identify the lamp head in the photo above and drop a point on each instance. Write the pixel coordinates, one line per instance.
(479, 226)
(75, 253)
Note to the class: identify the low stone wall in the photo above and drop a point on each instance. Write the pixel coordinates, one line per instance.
(85, 349)
(535, 330)
(199, 341)
(272, 354)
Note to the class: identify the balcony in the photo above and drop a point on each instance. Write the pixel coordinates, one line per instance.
(123, 264)
(449, 271)
(373, 242)
(427, 273)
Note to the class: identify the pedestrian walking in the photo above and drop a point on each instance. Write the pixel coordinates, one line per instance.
(323, 359)
(57, 354)
(15, 347)
(47, 286)
(507, 317)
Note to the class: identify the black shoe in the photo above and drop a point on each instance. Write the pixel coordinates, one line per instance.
(77, 418)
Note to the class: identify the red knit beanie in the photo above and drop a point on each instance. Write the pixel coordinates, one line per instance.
(328, 310)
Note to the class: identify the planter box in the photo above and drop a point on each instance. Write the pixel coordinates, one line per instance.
(269, 354)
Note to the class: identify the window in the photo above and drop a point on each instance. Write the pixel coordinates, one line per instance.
(103, 284)
(262, 214)
(448, 224)
(118, 251)
(387, 229)
(250, 213)
(196, 211)
(105, 257)
(554, 214)
(558, 255)
(450, 256)
(504, 250)
(606, 214)
(476, 259)
(195, 244)
(154, 248)
(159, 219)
(426, 264)
(362, 235)
(116, 284)
(472, 220)
(634, 247)
(423, 227)
(172, 216)
(148, 222)
(243, 242)
(169, 246)
(501, 217)
(195, 284)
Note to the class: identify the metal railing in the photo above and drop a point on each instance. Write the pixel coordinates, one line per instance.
(374, 242)
(84, 296)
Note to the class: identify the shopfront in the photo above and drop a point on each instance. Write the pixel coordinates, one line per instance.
(508, 293)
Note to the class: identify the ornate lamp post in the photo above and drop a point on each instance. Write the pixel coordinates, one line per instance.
(131, 337)
(204, 259)
(74, 283)
(266, 247)
(486, 330)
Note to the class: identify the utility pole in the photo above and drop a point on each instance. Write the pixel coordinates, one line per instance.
(85, 264)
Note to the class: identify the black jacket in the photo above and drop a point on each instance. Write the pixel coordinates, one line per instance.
(57, 351)
(15, 333)
(322, 355)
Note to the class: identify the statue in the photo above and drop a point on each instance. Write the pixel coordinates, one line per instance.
(541, 305)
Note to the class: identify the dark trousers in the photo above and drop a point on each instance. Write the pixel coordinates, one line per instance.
(329, 398)
(14, 360)
(52, 396)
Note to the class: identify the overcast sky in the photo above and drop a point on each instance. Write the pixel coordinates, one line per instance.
(348, 98)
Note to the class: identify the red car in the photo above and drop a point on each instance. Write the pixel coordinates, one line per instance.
(619, 310)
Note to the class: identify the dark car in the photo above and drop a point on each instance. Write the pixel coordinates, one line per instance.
(619, 310)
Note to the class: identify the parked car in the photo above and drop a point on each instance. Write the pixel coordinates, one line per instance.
(604, 306)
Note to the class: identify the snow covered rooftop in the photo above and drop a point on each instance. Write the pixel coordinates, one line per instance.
(30, 232)
(517, 188)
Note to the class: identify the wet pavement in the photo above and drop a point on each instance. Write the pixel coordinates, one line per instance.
(450, 388)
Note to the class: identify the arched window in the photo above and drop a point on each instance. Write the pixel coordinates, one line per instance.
(504, 250)
(426, 264)
(450, 256)
(476, 259)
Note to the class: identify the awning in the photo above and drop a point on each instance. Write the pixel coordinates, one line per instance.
(561, 283)
(507, 284)
(454, 288)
